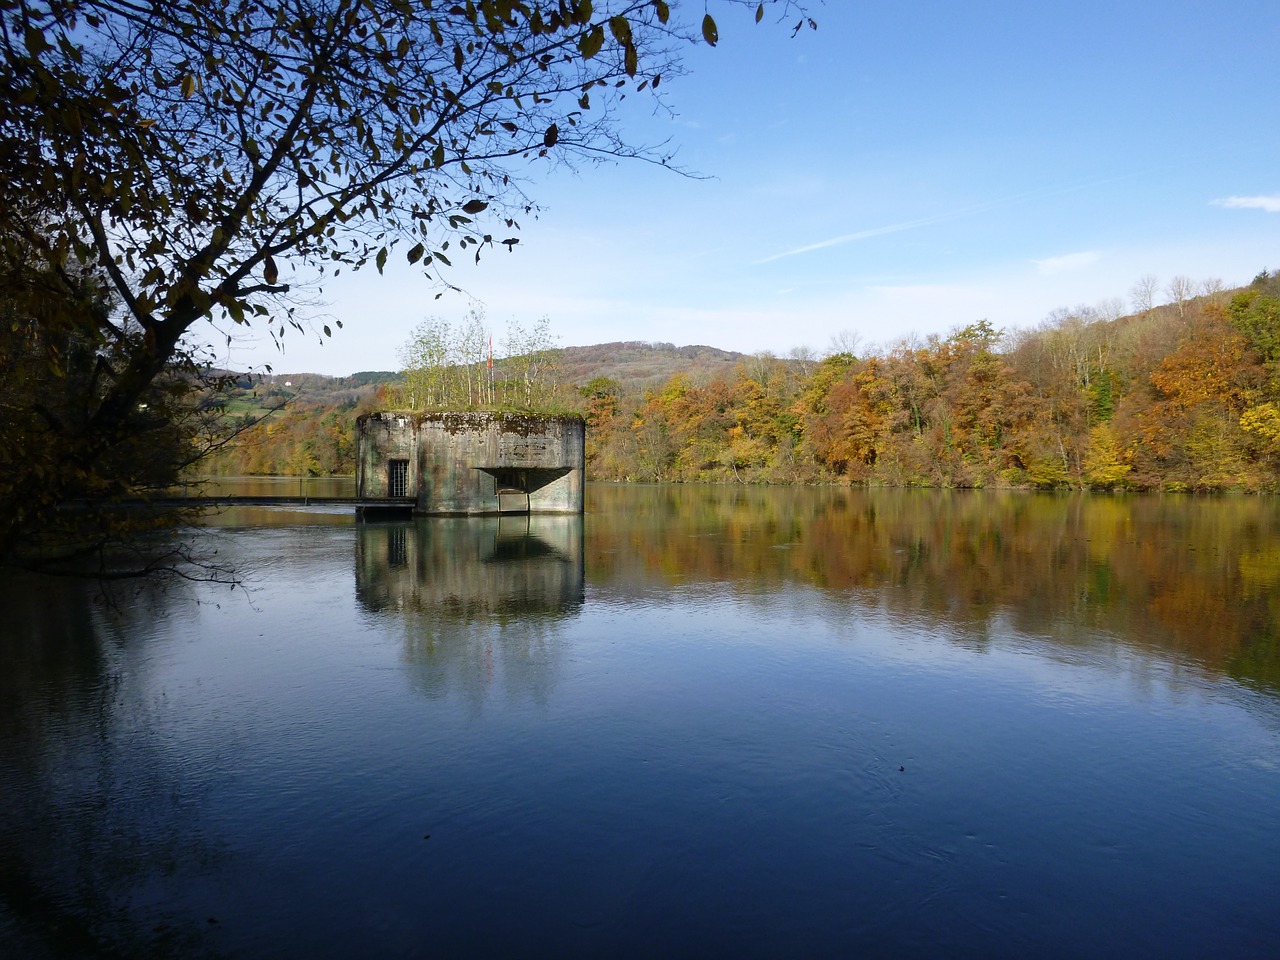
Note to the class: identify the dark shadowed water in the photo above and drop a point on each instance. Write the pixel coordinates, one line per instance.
(700, 722)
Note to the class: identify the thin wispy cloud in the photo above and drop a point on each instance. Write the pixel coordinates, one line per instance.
(1270, 204)
(1051, 266)
(938, 218)
(858, 235)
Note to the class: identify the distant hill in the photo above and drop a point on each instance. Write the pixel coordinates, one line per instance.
(634, 364)
(638, 365)
(332, 391)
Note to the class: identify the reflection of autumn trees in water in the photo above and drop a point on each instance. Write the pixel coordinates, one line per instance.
(1196, 577)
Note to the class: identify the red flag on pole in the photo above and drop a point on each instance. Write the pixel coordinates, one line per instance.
(491, 351)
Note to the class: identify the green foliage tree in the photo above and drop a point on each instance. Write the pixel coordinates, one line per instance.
(426, 361)
(1256, 314)
(452, 366)
(527, 376)
(446, 365)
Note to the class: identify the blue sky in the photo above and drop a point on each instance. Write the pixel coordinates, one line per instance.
(908, 168)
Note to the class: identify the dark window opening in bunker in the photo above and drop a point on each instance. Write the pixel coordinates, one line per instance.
(513, 480)
(398, 478)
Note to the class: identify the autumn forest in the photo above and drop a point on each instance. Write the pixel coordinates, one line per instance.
(1180, 396)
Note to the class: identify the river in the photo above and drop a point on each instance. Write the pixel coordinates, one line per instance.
(698, 721)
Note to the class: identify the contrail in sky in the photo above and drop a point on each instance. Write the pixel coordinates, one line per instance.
(925, 221)
(863, 235)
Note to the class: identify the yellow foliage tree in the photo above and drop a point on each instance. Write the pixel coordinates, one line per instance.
(1105, 464)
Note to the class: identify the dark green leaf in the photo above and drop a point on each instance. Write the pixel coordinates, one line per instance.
(591, 42)
(620, 29)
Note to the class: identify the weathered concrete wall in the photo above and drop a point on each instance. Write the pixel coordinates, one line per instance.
(381, 438)
(462, 461)
(466, 458)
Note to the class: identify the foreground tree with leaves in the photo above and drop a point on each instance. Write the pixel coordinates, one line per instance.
(207, 160)
(53, 500)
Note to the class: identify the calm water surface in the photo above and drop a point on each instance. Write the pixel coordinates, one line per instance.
(700, 721)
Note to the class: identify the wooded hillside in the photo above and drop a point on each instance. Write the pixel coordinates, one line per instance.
(1182, 396)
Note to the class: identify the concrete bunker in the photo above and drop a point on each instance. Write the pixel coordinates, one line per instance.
(451, 464)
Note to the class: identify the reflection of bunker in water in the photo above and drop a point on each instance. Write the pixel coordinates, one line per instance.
(471, 463)
(472, 569)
